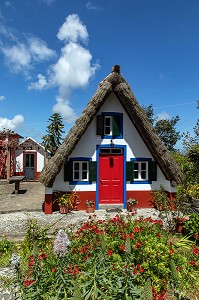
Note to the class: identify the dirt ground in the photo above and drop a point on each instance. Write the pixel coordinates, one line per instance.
(30, 197)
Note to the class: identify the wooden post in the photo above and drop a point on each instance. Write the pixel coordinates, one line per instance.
(8, 164)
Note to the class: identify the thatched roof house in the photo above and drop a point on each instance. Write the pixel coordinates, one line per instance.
(113, 83)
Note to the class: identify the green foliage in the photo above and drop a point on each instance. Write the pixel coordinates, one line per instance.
(52, 140)
(109, 259)
(147, 291)
(6, 249)
(192, 225)
(169, 210)
(36, 236)
(167, 132)
(165, 128)
(6, 246)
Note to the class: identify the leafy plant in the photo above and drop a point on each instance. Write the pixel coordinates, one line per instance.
(132, 201)
(90, 203)
(192, 225)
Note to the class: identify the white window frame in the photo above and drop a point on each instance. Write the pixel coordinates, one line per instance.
(140, 170)
(80, 171)
(108, 126)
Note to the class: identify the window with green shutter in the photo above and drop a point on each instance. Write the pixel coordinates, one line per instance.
(80, 170)
(144, 170)
(110, 125)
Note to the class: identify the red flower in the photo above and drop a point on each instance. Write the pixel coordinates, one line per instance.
(195, 250)
(196, 236)
(141, 270)
(28, 282)
(192, 263)
(124, 236)
(131, 236)
(122, 247)
(138, 245)
(54, 270)
(42, 256)
(171, 251)
(110, 252)
(136, 230)
(31, 261)
(135, 271)
(158, 235)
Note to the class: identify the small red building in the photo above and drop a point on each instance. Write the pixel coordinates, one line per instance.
(9, 140)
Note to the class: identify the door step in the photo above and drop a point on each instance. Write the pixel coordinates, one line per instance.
(111, 207)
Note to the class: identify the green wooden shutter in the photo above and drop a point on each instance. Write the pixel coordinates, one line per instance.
(152, 171)
(116, 125)
(68, 171)
(129, 171)
(100, 125)
(92, 171)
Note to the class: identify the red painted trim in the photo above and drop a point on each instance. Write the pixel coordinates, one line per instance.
(143, 198)
(48, 207)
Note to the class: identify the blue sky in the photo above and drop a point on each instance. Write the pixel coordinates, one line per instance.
(54, 53)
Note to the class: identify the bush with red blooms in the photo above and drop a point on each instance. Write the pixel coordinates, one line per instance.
(112, 259)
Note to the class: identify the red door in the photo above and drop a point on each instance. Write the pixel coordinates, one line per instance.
(111, 171)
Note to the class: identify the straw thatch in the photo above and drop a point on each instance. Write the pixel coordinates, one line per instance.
(113, 83)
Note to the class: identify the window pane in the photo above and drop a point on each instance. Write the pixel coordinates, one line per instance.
(116, 151)
(76, 166)
(84, 166)
(107, 121)
(84, 175)
(27, 160)
(143, 174)
(105, 150)
(135, 166)
(143, 166)
(135, 174)
(76, 175)
(32, 161)
(107, 130)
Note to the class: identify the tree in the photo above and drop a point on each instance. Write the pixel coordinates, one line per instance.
(167, 132)
(191, 145)
(52, 140)
(165, 128)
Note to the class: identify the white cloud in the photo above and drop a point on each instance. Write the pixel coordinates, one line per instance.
(12, 124)
(40, 84)
(163, 116)
(2, 98)
(21, 56)
(72, 30)
(73, 68)
(91, 6)
(39, 50)
(65, 110)
(18, 57)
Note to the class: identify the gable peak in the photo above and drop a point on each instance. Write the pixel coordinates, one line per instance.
(116, 69)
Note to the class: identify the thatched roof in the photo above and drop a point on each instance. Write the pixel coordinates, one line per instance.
(113, 83)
